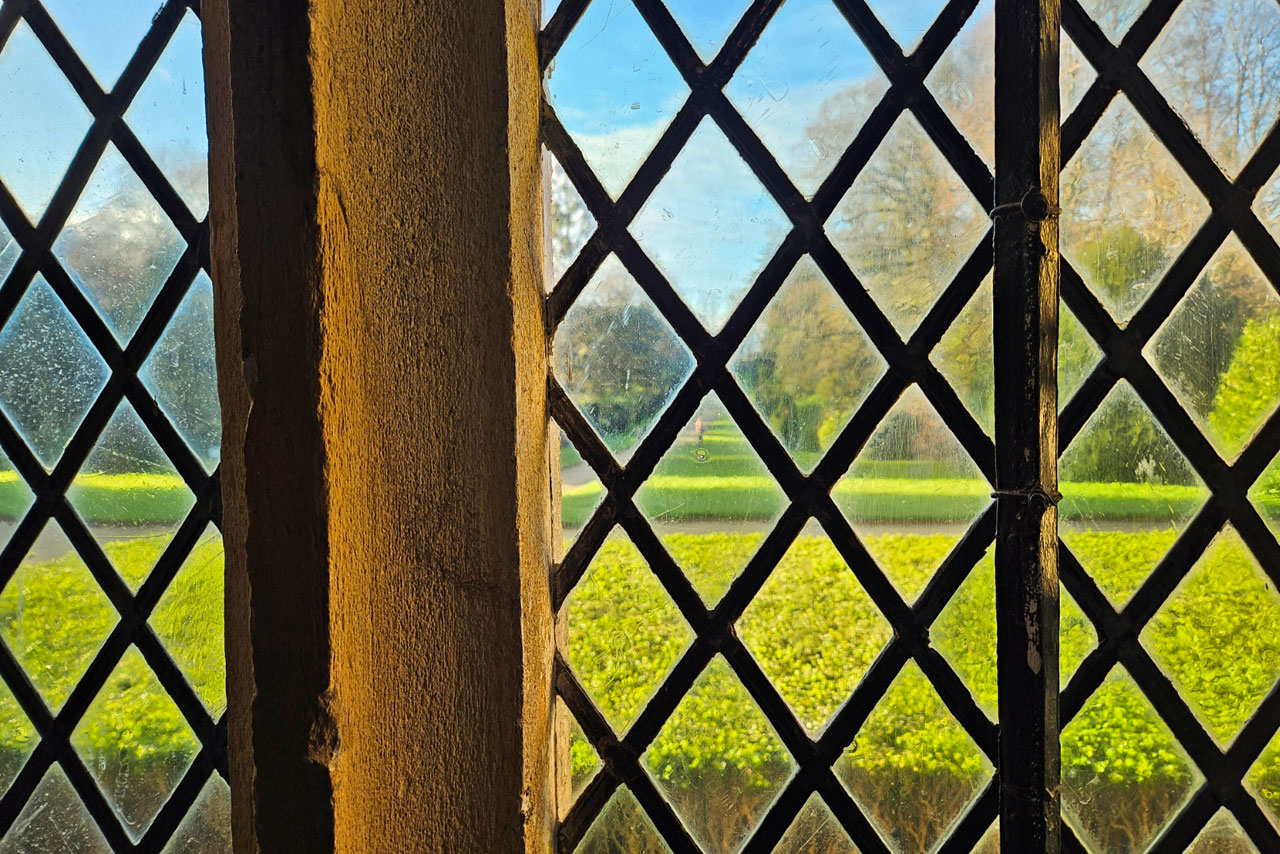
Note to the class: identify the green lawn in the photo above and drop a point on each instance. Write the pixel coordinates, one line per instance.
(625, 634)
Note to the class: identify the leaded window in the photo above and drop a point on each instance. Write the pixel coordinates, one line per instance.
(112, 699)
(787, 452)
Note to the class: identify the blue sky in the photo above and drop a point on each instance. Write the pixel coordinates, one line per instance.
(42, 121)
(710, 227)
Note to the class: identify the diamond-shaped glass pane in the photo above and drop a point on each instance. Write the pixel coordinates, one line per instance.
(54, 616)
(207, 826)
(1127, 492)
(814, 656)
(1218, 349)
(581, 756)
(719, 761)
(1265, 495)
(1078, 354)
(622, 826)
(912, 768)
(182, 373)
(1114, 16)
(806, 364)
(806, 88)
(907, 224)
(566, 220)
(188, 620)
(707, 25)
(1263, 781)
(130, 496)
(618, 359)
(18, 738)
(964, 356)
(965, 633)
(54, 819)
(911, 493)
(711, 500)
(580, 490)
(1213, 636)
(15, 499)
(135, 743)
(118, 245)
(104, 33)
(710, 226)
(1222, 835)
(9, 252)
(625, 633)
(614, 89)
(964, 80)
(816, 831)
(168, 117)
(1075, 75)
(1123, 773)
(1127, 210)
(907, 22)
(42, 122)
(49, 372)
(1223, 88)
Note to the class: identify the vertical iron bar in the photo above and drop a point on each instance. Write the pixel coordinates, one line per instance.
(1025, 328)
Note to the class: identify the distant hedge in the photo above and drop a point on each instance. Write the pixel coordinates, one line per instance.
(109, 499)
(754, 498)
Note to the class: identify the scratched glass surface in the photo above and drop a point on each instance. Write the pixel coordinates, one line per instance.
(964, 81)
(1216, 348)
(118, 245)
(807, 365)
(567, 223)
(1116, 736)
(806, 88)
(618, 358)
(120, 275)
(907, 224)
(42, 121)
(723, 802)
(912, 492)
(614, 89)
(1128, 210)
(711, 500)
(1127, 493)
(1218, 62)
(912, 768)
(710, 226)
(168, 116)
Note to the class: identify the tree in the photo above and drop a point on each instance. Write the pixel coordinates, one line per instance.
(616, 356)
(807, 364)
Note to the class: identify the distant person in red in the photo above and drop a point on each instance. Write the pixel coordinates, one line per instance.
(697, 427)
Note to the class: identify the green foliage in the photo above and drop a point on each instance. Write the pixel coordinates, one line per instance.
(884, 499)
(625, 635)
(54, 617)
(910, 743)
(1251, 385)
(1123, 444)
(109, 499)
(1120, 259)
